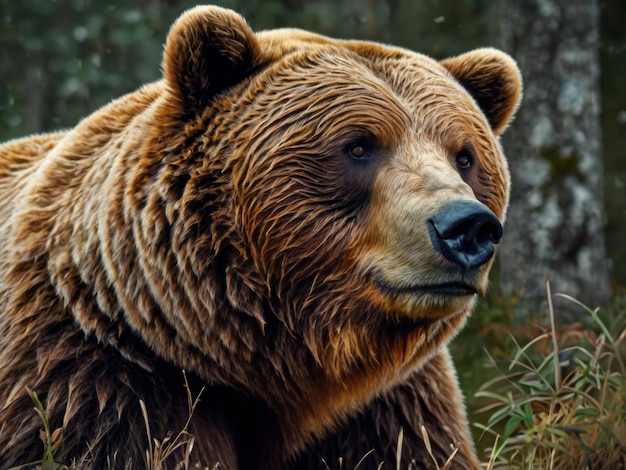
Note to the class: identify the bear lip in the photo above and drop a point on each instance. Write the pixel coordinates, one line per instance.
(455, 289)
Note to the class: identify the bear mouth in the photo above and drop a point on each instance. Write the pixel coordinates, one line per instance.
(449, 289)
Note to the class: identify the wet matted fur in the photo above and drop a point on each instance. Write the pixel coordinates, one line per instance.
(257, 218)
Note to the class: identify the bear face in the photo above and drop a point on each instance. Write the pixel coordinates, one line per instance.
(278, 215)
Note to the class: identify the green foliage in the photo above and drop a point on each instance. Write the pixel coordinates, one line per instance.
(560, 401)
(52, 440)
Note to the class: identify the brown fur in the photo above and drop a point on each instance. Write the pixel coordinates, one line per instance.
(214, 222)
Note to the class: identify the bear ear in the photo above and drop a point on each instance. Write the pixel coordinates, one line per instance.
(494, 81)
(208, 49)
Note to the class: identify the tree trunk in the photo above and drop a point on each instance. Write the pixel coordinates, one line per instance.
(555, 225)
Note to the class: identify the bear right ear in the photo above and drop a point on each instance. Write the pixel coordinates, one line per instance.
(208, 49)
(494, 81)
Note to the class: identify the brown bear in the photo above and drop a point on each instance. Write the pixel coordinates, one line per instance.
(298, 223)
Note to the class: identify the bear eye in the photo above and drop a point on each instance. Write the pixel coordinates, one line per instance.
(464, 160)
(359, 152)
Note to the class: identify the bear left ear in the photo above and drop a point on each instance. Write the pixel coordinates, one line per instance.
(494, 81)
(208, 49)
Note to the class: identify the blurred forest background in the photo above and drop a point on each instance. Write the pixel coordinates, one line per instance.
(62, 59)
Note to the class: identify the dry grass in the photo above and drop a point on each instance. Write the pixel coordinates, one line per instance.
(158, 451)
(561, 409)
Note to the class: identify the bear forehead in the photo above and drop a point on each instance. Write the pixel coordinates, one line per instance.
(396, 66)
(362, 83)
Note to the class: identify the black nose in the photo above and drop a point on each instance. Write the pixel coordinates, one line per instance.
(464, 232)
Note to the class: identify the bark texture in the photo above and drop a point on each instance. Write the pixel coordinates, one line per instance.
(555, 226)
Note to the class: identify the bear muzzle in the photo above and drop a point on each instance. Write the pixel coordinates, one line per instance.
(465, 233)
